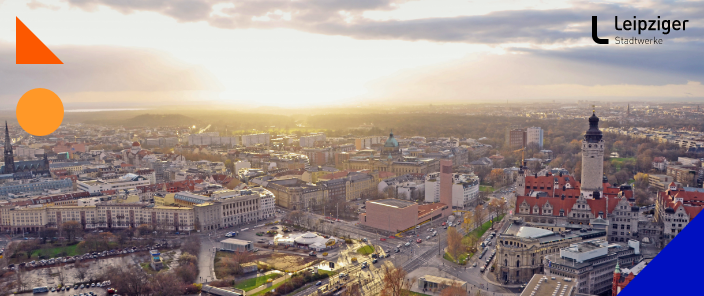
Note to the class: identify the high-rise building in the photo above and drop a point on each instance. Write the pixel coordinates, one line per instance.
(446, 185)
(516, 138)
(534, 135)
(592, 161)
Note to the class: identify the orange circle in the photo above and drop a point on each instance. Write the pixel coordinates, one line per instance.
(40, 111)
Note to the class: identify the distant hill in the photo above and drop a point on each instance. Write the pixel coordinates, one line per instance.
(150, 120)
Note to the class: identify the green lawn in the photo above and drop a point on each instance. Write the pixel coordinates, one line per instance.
(463, 258)
(262, 292)
(328, 272)
(485, 188)
(366, 250)
(252, 283)
(56, 252)
(481, 230)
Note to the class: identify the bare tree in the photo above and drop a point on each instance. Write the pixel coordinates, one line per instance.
(127, 279)
(21, 285)
(164, 284)
(479, 215)
(395, 282)
(497, 206)
(71, 229)
(81, 272)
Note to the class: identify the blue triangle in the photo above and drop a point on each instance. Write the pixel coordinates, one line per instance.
(677, 269)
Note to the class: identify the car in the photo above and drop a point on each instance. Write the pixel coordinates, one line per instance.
(397, 250)
(419, 241)
(374, 261)
(481, 269)
(435, 233)
(53, 289)
(82, 286)
(417, 226)
(312, 253)
(63, 288)
(92, 285)
(382, 239)
(475, 264)
(111, 291)
(387, 255)
(391, 236)
(364, 239)
(407, 244)
(364, 266)
(318, 283)
(75, 287)
(427, 237)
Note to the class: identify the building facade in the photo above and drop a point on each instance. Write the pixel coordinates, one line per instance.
(592, 161)
(592, 263)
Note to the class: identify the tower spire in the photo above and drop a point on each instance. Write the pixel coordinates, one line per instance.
(9, 157)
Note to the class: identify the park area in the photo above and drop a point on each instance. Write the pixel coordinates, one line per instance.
(366, 250)
(463, 251)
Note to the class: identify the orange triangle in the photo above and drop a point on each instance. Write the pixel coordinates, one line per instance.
(30, 50)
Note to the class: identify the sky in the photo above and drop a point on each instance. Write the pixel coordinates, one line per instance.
(326, 53)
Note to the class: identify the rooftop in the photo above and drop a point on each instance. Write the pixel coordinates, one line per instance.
(396, 203)
(541, 285)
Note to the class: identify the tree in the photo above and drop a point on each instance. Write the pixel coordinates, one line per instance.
(72, 229)
(642, 180)
(479, 215)
(127, 279)
(496, 177)
(453, 289)
(164, 284)
(454, 243)
(144, 229)
(395, 282)
(81, 272)
(467, 223)
(497, 205)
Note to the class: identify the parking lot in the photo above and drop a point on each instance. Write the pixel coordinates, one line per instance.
(72, 292)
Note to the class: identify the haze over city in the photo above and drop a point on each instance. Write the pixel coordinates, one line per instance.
(344, 53)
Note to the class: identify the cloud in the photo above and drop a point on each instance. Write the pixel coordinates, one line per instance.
(102, 69)
(325, 17)
(606, 72)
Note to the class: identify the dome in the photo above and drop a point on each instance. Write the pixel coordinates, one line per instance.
(307, 238)
(391, 141)
(135, 144)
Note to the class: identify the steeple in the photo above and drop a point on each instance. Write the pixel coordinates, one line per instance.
(618, 269)
(9, 157)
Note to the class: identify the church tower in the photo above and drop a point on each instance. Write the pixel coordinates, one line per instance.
(9, 157)
(592, 160)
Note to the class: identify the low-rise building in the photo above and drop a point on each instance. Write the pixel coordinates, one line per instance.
(233, 244)
(396, 214)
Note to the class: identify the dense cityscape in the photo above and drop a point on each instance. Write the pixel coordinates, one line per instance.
(573, 199)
